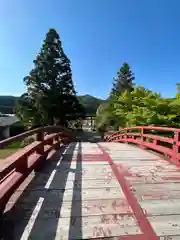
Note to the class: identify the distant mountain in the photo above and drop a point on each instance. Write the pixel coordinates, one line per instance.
(7, 104)
(89, 102)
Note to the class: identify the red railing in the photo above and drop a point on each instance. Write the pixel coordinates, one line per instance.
(18, 166)
(161, 139)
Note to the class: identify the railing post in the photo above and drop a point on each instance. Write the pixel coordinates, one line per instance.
(65, 140)
(125, 135)
(119, 135)
(142, 132)
(62, 139)
(175, 149)
(155, 141)
(22, 165)
(57, 142)
(40, 138)
(142, 137)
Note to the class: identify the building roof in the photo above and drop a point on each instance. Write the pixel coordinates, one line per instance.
(8, 120)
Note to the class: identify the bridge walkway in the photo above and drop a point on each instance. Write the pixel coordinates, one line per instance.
(97, 191)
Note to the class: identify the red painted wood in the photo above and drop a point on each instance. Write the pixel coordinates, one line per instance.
(16, 159)
(21, 163)
(151, 141)
(156, 137)
(10, 183)
(48, 129)
(143, 222)
(135, 237)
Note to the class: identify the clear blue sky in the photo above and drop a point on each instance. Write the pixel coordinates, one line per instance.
(98, 36)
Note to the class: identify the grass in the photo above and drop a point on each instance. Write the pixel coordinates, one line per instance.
(4, 153)
(9, 150)
(14, 147)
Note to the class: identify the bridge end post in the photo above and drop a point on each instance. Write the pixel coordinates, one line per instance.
(40, 138)
(40, 150)
(142, 138)
(175, 149)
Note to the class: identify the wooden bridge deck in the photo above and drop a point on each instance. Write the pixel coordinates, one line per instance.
(105, 190)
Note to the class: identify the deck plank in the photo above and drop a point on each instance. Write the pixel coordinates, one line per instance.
(79, 196)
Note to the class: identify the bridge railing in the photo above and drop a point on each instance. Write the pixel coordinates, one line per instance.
(161, 139)
(18, 166)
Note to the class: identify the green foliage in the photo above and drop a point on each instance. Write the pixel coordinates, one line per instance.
(15, 145)
(143, 107)
(27, 112)
(130, 105)
(123, 80)
(105, 118)
(27, 141)
(51, 96)
(178, 90)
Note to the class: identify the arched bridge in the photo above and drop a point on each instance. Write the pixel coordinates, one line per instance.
(66, 185)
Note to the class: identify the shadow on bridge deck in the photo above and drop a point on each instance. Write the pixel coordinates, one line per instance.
(36, 213)
(92, 137)
(97, 191)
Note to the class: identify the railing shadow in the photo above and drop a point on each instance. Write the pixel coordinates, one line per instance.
(39, 203)
(92, 137)
(75, 229)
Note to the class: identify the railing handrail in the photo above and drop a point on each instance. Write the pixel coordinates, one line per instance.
(21, 163)
(22, 136)
(151, 128)
(167, 145)
(142, 128)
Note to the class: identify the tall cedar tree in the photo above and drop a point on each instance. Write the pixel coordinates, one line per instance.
(123, 81)
(50, 86)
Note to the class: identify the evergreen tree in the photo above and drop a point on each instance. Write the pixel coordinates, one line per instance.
(123, 81)
(178, 90)
(49, 84)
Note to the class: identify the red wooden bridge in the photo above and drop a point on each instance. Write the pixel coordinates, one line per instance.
(64, 186)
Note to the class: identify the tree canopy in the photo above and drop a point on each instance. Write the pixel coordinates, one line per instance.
(51, 96)
(143, 107)
(123, 80)
(132, 105)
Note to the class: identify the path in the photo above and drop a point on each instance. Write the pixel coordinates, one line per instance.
(105, 190)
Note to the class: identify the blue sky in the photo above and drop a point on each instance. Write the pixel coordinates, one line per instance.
(98, 36)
